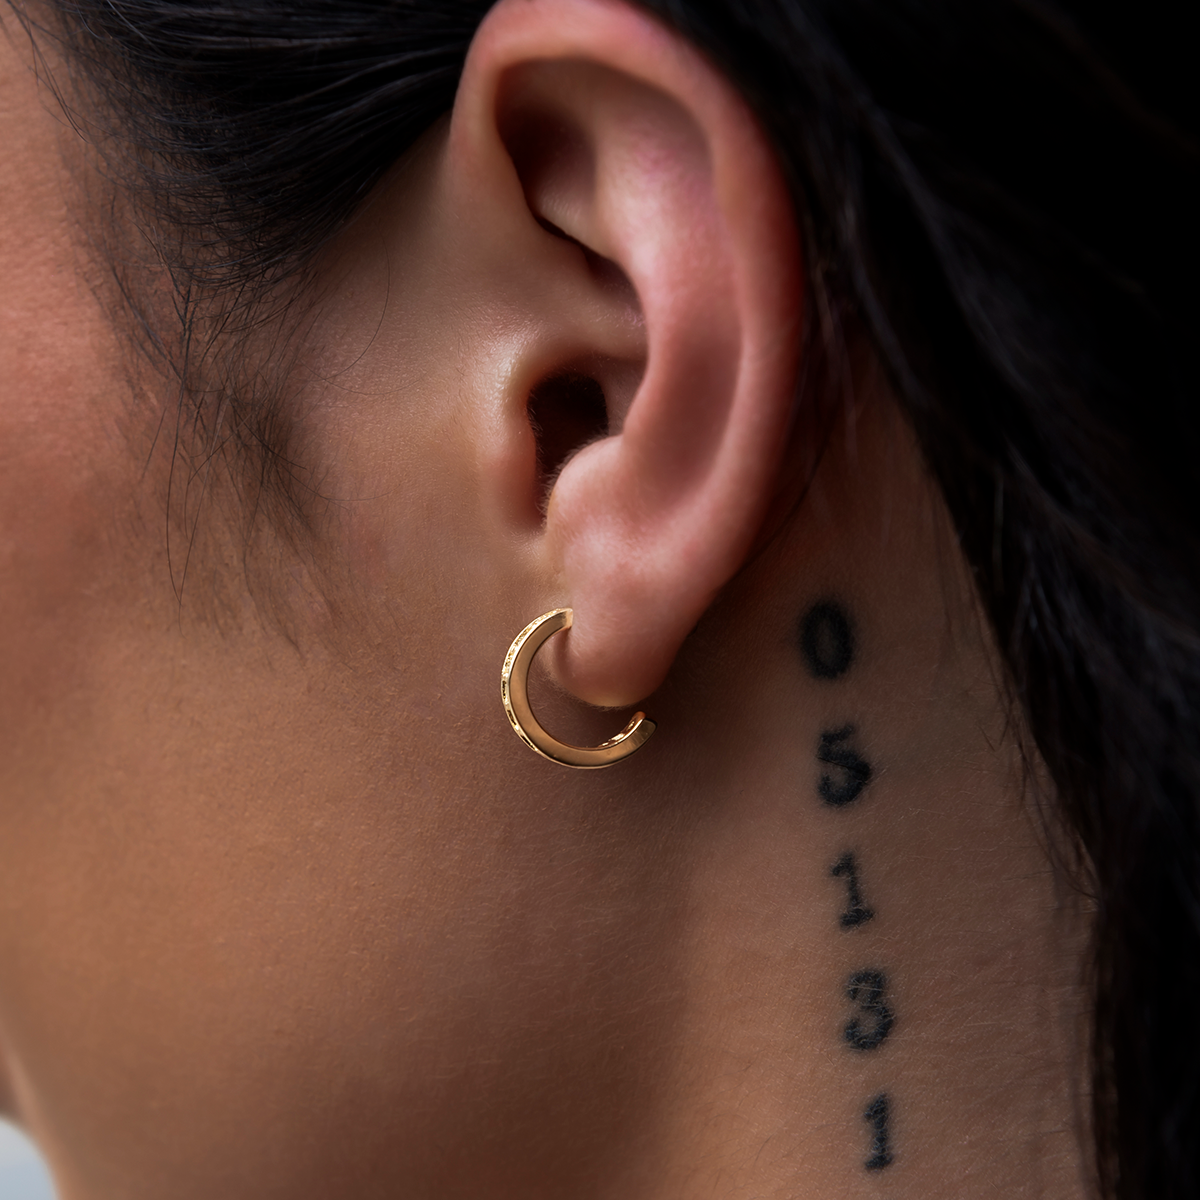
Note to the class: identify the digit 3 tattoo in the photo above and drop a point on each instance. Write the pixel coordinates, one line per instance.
(868, 990)
(854, 770)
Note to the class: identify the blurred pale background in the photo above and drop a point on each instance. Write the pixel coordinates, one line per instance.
(22, 1175)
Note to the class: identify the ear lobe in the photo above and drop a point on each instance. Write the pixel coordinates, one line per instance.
(628, 143)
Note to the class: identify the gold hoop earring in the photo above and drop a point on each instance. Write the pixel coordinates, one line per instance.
(514, 691)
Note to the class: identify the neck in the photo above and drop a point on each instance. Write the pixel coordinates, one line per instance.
(881, 965)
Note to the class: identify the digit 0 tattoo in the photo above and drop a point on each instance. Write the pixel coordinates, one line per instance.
(876, 1115)
(855, 770)
(868, 990)
(857, 913)
(827, 640)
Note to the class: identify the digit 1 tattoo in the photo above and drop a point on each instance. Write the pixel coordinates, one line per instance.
(867, 989)
(856, 771)
(857, 913)
(876, 1115)
(827, 640)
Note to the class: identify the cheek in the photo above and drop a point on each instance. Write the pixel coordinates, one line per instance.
(71, 480)
(265, 904)
(69, 520)
(267, 935)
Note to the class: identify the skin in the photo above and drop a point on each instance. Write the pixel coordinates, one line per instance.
(285, 908)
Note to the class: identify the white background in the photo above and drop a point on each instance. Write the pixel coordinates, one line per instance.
(22, 1175)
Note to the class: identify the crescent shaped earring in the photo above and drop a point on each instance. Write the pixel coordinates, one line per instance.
(514, 683)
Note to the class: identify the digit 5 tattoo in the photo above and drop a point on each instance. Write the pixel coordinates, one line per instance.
(855, 770)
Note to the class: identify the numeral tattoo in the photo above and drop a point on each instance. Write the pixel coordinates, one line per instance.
(855, 771)
(876, 1115)
(827, 640)
(857, 913)
(868, 989)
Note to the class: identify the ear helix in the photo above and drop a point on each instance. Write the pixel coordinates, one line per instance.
(514, 680)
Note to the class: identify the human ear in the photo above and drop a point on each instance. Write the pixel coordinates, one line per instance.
(651, 181)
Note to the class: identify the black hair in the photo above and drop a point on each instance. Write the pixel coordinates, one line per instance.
(1001, 192)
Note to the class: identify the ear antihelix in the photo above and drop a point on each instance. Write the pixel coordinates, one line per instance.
(514, 693)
